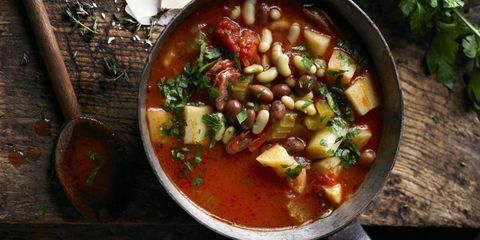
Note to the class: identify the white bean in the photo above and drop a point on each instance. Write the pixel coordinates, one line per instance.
(298, 62)
(248, 12)
(306, 107)
(279, 25)
(236, 12)
(229, 134)
(266, 40)
(293, 33)
(268, 76)
(282, 65)
(275, 14)
(266, 61)
(276, 52)
(253, 69)
(288, 102)
(309, 96)
(261, 122)
(290, 81)
(321, 67)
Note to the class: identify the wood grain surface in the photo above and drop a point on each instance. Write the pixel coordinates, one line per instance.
(436, 181)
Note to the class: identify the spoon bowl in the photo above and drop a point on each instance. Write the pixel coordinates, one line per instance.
(88, 162)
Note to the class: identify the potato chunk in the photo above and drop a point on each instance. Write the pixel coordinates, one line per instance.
(195, 129)
(334, 193)
(157, 118)
(324, 143)
(317, 43)
(342, 65)
(279, 160)
(362, 95)
(362, 138)
(329, 165)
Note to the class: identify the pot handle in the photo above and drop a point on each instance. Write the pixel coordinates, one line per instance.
(353, 231)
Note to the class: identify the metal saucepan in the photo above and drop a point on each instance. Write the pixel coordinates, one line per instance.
(341, 224)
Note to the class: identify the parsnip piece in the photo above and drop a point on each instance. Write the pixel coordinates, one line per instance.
(328, 165)
(317, 43)
(279, 160)
(342, 65)
(362, 138)
(195, 129)
(334, 193)
(324, 143)
(362, 95)
(156, 118)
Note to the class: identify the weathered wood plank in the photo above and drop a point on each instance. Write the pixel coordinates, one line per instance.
(434, 183)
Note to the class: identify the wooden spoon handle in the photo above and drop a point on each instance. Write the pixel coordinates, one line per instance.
(52, 58)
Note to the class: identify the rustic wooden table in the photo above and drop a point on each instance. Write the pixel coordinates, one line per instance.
(436, 180)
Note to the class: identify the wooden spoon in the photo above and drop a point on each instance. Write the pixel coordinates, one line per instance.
(88, 156)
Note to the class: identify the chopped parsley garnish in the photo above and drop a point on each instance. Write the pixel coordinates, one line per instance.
(335, 73)
(322, 90)
(335, 125)
(215, 123)
(332, 104)
(436, 119)
(174, 128)
(301, 48)
(177, 154)
(348, 153)
(293, 173)
(242, 116)
(198, 154)
(41, 212)
(323, 143)
(307, 62)
(93, 156)
(307, 104)
(114, 71)
(197, 181)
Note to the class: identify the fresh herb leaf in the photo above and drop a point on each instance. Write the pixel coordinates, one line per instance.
(197, 181)
(436, 119)
(242, 116)
(471, 46)
(198, 154)
(293, 173)
(114, 71)
(307, 104)
(81, 15)
(92, 155)
(215, 122)
(473, 88)
(41, 212)
(333, 105)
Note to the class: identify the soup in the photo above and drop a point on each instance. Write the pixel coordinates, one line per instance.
(262, 113)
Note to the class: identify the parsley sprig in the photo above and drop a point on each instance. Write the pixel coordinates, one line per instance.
(450, 32)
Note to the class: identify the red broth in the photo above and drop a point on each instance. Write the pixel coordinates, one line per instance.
(237, 188)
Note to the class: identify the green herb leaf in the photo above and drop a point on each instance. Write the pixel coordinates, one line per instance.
(471, 46)
(293, 173)
(473, 88)
(333, 105)
(41, 212)
(215, 122)
(242, 116)
(92, 155)
(197, 181)
(436, 119)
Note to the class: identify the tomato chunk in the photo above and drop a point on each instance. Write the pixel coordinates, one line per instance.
(240, 40)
